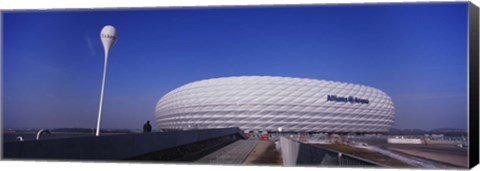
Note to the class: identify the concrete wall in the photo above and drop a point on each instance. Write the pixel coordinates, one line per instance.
(109, 147)
(289, 150)
(404, 141)
(449, 142)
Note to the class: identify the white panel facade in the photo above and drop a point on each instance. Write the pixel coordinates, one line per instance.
(265, 103)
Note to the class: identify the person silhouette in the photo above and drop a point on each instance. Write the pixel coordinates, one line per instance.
(147, 127)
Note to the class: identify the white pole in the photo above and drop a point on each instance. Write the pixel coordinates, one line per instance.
(108, 35)
(101, 95)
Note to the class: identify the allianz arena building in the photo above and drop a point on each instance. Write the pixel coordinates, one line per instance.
(266, 103)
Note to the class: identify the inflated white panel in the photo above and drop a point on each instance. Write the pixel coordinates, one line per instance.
(265, 103)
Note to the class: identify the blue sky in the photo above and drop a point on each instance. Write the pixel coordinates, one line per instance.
(53, 60)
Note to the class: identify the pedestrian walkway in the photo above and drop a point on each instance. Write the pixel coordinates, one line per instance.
(264, 153)
(235, 153)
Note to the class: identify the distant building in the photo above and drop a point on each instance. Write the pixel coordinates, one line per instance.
(266, 103)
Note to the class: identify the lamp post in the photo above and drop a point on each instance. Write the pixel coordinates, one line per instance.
(279, 131)
(108, 35)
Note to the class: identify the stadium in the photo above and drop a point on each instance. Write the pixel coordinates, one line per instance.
(273, 104)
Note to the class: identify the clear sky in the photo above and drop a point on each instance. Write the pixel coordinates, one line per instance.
(53, 60)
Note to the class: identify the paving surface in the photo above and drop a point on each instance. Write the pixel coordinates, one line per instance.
(445, 155)
(442, 153)
(235, 153)
(264, 154)
(246, 152)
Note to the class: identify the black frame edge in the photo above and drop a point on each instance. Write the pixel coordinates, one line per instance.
(473, 44)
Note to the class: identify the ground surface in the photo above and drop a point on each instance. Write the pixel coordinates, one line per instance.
(443, 154)
(264, 154)
(366, 154)
(447, 154)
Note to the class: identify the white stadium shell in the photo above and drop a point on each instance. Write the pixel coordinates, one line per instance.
(266, 103)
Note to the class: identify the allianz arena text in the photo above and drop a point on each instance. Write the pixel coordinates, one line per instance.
(267, 103)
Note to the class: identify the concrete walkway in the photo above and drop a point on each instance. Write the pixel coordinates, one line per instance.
(235, 153)
(264, 153)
